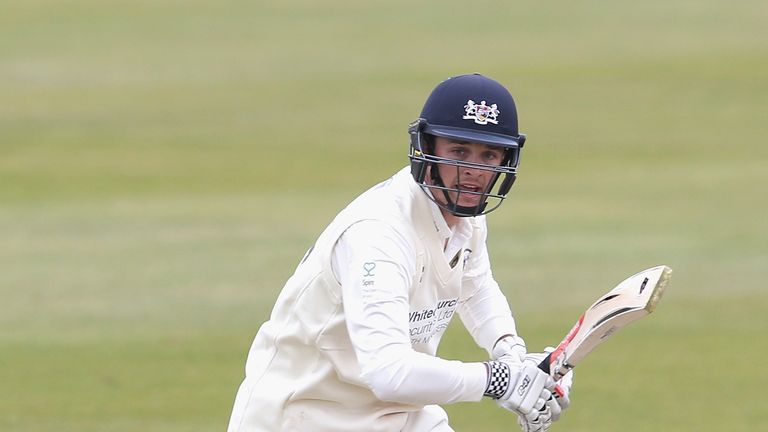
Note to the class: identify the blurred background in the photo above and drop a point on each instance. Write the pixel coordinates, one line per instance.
(165, 164)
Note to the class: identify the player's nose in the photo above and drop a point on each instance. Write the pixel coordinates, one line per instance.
(472, 171)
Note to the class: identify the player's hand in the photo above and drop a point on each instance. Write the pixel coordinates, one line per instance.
(520, 387)
(560, 399)
(509, 345)
(564, 385)
(541, 417)
(540, 424)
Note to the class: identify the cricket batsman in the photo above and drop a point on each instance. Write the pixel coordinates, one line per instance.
(351, 342)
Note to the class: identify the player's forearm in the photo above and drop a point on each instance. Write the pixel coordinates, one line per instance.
(411, 377)
(487, 316)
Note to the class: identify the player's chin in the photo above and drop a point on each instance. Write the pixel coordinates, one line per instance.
(468, 200)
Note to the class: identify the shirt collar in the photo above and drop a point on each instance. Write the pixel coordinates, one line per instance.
(463, 228)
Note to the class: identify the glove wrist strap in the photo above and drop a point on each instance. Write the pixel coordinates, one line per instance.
(498, 379)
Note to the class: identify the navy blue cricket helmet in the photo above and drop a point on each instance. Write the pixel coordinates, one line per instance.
(467, 108)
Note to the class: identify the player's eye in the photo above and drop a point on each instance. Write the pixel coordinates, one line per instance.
(459, 152)
(492, 157)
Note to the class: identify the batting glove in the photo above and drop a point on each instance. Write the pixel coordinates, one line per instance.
(541, 424)
(522, 388)
(560, 400)
(509, 345)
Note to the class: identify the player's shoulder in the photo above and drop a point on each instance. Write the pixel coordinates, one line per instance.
(378, 232)
(383, 199)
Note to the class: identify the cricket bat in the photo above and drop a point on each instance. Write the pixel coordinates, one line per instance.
(632, 299)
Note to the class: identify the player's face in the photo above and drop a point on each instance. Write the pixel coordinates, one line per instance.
(465, 178)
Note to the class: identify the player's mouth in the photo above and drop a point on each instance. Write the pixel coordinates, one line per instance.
(469, 187)
(472, 196)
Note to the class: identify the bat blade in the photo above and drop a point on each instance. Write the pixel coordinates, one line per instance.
(632, 299)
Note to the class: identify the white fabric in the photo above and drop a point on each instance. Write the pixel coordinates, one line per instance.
(377, 313)
(353, 349)
(486, 314)
(431, 418)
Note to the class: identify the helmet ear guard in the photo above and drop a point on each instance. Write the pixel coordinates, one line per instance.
(417, 150)
(512, 160)
(507, 183)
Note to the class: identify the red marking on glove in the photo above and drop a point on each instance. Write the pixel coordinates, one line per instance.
(559, 392)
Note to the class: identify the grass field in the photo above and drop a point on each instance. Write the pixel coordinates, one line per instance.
(164, 165)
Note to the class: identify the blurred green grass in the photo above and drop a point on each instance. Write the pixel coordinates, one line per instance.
(164, 165)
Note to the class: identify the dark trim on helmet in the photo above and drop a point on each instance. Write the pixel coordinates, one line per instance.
(488, 138)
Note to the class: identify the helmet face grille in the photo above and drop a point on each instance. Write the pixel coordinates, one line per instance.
(490, 198)
(423, 163)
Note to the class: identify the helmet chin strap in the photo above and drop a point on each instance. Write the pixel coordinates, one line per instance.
(454, 208)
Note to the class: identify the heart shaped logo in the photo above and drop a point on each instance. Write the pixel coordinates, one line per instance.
(368, 267)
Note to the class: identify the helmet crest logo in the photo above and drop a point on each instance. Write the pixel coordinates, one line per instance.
(481, 113)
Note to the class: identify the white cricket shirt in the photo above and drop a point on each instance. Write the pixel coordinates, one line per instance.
(351, 341)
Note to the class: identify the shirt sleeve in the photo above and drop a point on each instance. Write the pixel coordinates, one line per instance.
(375, 267)
(485, 310)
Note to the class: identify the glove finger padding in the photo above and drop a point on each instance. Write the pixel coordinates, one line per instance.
(566, 382)
(562, 397)
(546, 395)
(553, 405)
(540, 424)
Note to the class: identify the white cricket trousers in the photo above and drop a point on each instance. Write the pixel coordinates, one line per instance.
(431, 418)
